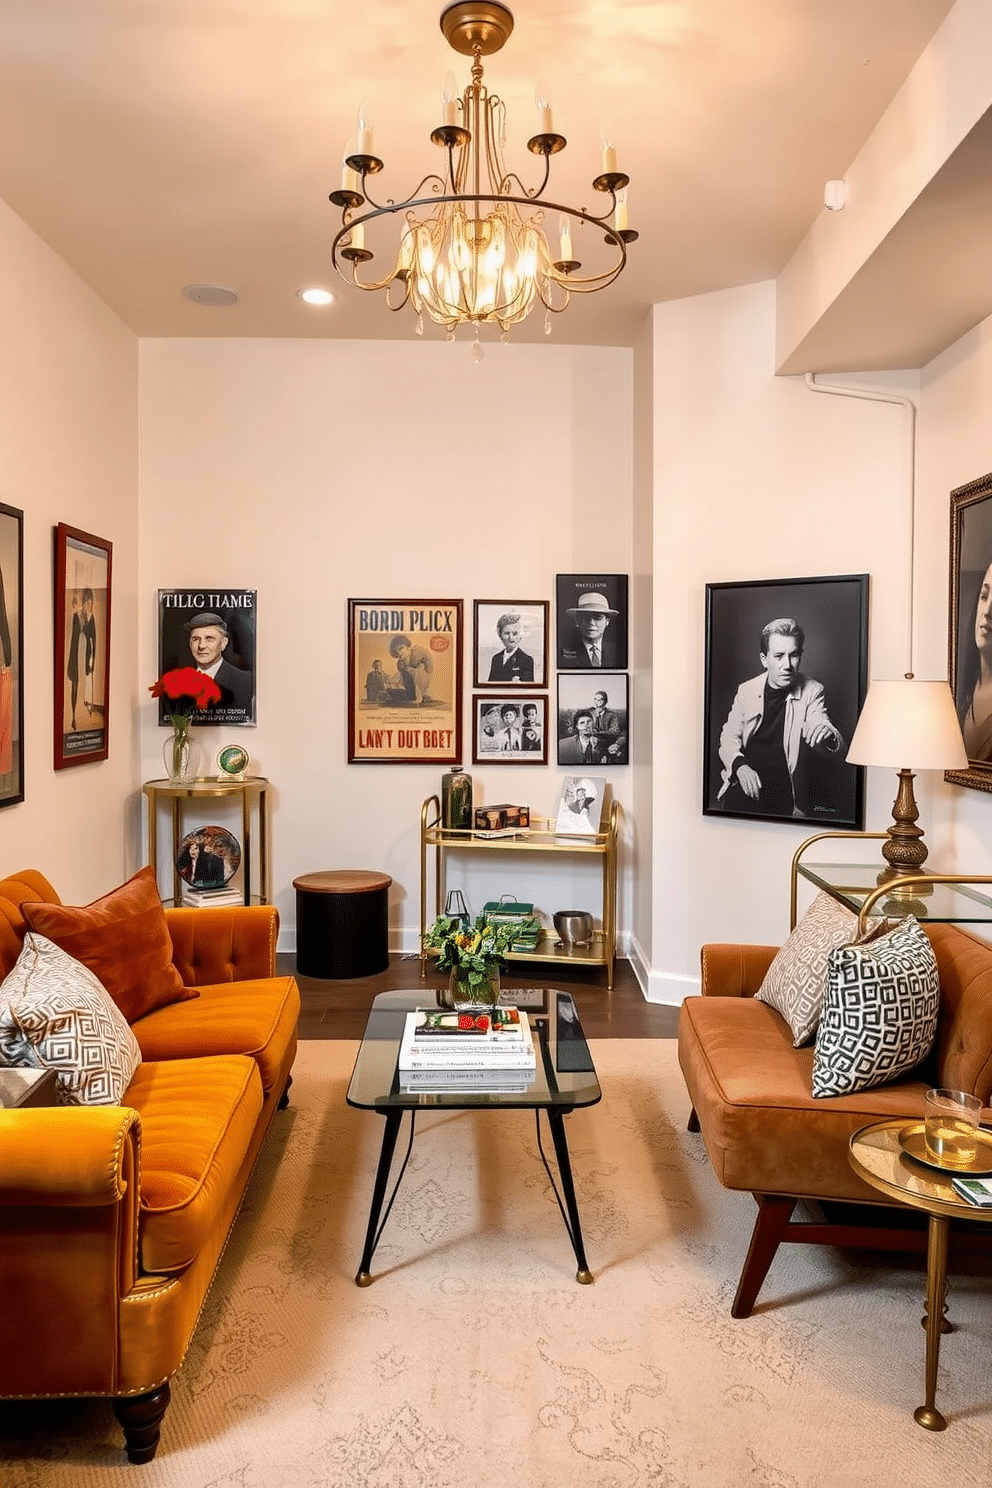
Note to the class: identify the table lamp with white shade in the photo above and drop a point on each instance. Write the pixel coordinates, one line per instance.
(907, 725)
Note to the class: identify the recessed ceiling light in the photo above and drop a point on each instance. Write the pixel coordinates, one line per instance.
(210, 294)
(316, 296)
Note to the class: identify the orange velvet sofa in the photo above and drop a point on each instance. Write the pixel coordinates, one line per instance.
(766, 1133)
(113, 1218)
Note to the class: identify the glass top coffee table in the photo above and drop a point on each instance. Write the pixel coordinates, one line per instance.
(565, 1078)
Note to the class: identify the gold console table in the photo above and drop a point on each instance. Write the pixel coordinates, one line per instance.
(252, 794)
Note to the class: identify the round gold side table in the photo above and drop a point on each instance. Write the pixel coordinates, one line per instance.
(877, 1157)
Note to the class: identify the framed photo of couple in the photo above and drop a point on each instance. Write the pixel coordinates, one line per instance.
(786, 676)
(969, 661)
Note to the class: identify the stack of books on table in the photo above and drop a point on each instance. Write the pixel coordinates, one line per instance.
(491, 1052)
(209, 898)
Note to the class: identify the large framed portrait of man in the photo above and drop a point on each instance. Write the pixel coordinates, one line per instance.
(786, 676)
(591, 622)
(212, 630)
(969, 661)
(11, 656)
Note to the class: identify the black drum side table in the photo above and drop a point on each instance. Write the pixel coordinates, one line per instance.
(342, 923)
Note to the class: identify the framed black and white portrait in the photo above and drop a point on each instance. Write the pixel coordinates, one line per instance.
(511, 642)
(969, 662)
(593, 718)
(509, 730)
(786, 675)
(11, 656)
(212, 630)
(591, 621)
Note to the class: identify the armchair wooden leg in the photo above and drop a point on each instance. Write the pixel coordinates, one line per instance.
(284, 1098)
(141, 1419)
(770, 1225)
(693, 1123)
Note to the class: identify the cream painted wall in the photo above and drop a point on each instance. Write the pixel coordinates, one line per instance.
(68, 436)
(318, 471)
(755, 477)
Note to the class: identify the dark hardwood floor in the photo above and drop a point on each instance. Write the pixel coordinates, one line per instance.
(338, 1009)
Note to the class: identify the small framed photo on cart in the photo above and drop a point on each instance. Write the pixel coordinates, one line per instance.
(511, 642)
(11, 656)
(591, 621)
(82, 647)
(593, 718)
(786, 675)
(509, 730)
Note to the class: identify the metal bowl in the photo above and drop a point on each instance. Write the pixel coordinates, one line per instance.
(574, 926)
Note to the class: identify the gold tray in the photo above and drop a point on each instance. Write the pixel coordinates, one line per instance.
(912, 1143)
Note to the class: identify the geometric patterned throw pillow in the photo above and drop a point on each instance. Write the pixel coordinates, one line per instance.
(795, 981)
(54, 1014)
(879, 1014)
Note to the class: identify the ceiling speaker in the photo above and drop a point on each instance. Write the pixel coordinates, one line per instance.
(210, 294)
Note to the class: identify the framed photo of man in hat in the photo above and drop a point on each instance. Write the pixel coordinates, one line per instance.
(591, 622)
(212, 630)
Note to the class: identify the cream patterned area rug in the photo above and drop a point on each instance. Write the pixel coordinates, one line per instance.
(475, 1357)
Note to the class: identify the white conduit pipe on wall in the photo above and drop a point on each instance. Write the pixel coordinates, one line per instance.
(873, 397)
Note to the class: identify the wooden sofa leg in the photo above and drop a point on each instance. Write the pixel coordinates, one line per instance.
(693, 1123)
(284, 1098)
(141, 1418)
(774, 1213)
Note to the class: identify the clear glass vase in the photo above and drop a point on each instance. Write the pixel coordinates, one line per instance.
(466, 998)
(180, 753)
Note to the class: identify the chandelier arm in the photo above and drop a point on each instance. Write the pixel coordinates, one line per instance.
(390, 206)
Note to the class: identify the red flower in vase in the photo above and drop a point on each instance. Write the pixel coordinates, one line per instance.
(186, 689)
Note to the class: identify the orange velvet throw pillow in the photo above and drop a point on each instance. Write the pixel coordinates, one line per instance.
(123, 939)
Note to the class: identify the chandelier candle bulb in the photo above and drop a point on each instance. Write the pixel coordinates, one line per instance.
(543, 101)
(358, 235)
(364, 131)
(620, 215)
(449, 99)
(565, 241)
(609, 152)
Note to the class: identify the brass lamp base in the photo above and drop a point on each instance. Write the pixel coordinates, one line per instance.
(904, 849)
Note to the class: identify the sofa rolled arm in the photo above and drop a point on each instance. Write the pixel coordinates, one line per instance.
(734, 970)
(67, 1156)
(232, 943)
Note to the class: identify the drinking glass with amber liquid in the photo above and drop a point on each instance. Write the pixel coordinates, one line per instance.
(950, 1127)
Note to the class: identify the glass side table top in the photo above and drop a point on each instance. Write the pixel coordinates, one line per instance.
(565, 1076)
(853, 882)
(876, 1154)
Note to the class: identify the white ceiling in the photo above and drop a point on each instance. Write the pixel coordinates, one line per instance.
(157, 143)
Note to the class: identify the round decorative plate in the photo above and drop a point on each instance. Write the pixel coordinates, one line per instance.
(232, 760)
(208, 858)
(912, 1143)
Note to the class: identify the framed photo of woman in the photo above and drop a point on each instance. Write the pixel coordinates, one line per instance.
(511, 642)
(82, 647)
(969, 661)
(11, 656)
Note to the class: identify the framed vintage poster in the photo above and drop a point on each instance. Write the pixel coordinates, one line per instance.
(593, 719)
(213, 630)
(591, 621)
(404, 681)
(509, 730)
(969, 661)
(82, 647)
(786, 675)
(510, 642)
(11, 656)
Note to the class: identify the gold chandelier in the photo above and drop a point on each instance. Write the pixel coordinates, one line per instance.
(473, 247)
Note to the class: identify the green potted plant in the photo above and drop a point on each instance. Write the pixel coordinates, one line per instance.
(474, 957)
